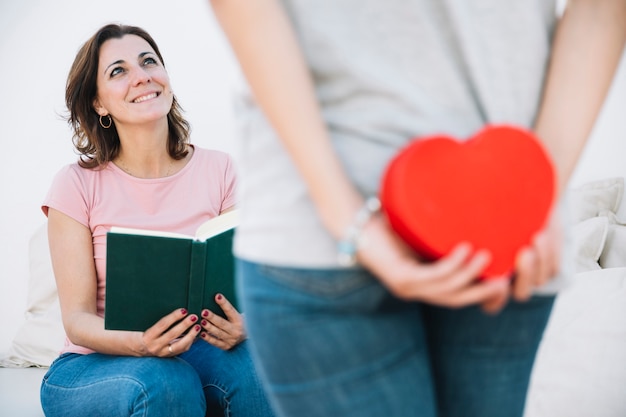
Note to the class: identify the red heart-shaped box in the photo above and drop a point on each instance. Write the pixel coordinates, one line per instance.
(494, 190)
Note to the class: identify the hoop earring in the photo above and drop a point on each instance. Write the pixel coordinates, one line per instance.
(110, 121)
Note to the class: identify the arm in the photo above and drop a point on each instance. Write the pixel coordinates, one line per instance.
(587, 46)
(267, 50)
(71, 250)
(265, 45)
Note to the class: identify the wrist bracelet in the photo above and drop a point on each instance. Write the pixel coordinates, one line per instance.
(347, 247)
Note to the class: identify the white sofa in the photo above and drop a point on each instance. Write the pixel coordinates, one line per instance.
(581, 365)
(580, 369)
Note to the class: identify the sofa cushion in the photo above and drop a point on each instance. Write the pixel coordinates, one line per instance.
(595, 197)
(41, 336)
(589, 237)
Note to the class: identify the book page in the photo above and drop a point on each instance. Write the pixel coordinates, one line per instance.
(146, 232)
(217, 225)
(211, 227)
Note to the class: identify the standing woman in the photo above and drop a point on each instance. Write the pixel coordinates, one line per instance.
(137, 169)
(337, 88)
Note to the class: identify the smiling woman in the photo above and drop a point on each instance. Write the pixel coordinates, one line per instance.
(133, 90)
(137, 168)
(121, 78)
(40, 40)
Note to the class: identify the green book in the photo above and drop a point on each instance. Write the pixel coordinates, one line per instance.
(152, 273)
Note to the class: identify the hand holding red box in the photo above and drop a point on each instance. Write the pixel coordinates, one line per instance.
(494, 190)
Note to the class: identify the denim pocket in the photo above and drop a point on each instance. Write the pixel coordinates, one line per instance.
(56, 363)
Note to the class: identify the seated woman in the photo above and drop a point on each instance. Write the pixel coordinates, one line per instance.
(137, 169)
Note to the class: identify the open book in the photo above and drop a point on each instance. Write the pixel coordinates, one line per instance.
(151, 273)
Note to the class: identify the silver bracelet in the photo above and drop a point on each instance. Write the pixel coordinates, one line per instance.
(347, 247)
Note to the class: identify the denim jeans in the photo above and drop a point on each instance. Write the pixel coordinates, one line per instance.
(231, 385)
(336, 343)
(203, 381)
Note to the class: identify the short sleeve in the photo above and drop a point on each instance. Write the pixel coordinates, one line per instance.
(68, 194)
(230, 184)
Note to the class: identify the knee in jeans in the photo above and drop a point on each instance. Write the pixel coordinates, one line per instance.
(175, 387)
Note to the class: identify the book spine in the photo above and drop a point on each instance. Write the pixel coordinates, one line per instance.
(197, 277)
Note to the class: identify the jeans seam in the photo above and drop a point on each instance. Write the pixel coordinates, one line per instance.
(225, 397)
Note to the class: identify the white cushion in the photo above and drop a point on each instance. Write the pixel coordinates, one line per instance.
(41, 336)
(614, 251)
(593, 198)
(589, 237)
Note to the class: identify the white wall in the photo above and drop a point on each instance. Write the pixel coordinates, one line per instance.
(38, 41)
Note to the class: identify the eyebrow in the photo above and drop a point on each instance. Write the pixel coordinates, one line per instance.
(119, 61)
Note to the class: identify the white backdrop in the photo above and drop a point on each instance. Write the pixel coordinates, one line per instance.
(38, 41)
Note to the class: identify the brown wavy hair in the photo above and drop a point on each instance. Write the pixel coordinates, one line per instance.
(95, 144)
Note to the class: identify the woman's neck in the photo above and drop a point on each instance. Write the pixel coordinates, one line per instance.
(145, 166)
(143, 152)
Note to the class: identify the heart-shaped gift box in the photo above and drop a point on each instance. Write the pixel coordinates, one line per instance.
(495, 190)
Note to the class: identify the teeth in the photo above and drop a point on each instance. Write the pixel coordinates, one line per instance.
(144, 98)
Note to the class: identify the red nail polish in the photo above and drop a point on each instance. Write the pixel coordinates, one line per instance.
(193, 318)
(197, 328)
(204, 322)
(183, 311)
(219, 296)
(205, 313)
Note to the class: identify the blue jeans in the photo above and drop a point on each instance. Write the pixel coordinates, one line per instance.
(335, 342)
(203, 381)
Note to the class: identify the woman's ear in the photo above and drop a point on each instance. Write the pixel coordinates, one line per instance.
(98, 108)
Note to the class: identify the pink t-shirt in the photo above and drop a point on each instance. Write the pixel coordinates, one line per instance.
(102, 198)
